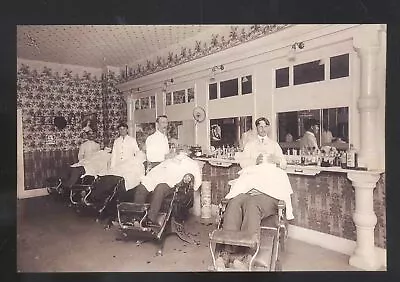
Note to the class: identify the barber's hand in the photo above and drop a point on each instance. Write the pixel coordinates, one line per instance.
(259, 159)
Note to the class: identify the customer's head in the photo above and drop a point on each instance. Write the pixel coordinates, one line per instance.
(162, 123)
(312, 125)
(262, 125)
(123, 129)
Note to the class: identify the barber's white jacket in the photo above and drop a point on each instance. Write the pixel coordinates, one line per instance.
(266, 178)
(156, 147)
(171, 171)
(123, 149)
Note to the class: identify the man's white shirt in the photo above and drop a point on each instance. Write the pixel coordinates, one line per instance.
(157, 147)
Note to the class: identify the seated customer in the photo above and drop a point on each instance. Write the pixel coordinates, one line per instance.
(162, 178)
(92, 161)
(255, 194)
(88, 147)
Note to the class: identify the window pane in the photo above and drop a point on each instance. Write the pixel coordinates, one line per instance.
(339, 66)
(137, 104)
(152, 102)
(247, 85)
(212, 89)
(282, 77)
(229, 88)
(179, 97)
(309, 72)
(144, 102)
(168, 99)
(190, 95)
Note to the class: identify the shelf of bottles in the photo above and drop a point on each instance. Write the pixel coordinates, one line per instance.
(311, 161)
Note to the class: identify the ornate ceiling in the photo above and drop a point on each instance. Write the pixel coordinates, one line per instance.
(98, 46)
(136, 50)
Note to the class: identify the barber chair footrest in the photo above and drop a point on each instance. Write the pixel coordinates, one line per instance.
(236, 238)
(133, 207)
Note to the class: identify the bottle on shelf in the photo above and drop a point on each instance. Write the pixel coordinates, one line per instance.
(351, 157)
(343, 160)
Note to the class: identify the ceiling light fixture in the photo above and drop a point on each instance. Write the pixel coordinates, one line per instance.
(293, 49)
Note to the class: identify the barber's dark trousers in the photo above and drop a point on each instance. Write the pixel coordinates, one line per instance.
(74, 174)
(245, 212)
(160, 192)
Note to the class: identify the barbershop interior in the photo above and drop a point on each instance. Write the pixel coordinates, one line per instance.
(211, 94)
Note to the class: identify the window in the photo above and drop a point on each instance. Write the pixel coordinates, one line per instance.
(212, 91)
(229, 88)
(339, 66)
(282, 77)
(137, 104)
(190, 94)
(168, 98)
(152, 102)
(246, 85)
(178, 97)
(309, 72)
(144, 102)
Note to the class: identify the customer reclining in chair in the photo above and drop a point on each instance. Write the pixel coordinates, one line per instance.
(92, 161)
(255, 194)
(162, 178)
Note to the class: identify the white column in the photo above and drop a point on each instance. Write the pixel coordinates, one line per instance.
(367, 46)
(364, 217)
(131, 116)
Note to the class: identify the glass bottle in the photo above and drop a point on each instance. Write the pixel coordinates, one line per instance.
(351, 157)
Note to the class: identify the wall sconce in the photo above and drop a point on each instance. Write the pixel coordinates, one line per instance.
(214, 70)
(293, 48)
(166, 82)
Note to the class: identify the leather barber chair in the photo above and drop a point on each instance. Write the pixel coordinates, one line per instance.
(173, 212)
(265, 248)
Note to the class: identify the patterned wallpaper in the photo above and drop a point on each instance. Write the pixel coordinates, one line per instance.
(43, 94)
(216, 43)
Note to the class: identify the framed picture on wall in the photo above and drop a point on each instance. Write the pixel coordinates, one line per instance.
(89, 122)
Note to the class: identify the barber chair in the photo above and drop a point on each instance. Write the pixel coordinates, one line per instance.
(265, 248)
(82, 193)
(173, 212)
(54, 186)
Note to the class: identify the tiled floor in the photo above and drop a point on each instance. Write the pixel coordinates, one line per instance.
(53, 238)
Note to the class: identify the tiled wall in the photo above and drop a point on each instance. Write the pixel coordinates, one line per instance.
(42, 94)
(324, 203)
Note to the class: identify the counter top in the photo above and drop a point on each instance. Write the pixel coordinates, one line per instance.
(293, 169)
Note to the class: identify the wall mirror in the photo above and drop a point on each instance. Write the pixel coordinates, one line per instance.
(228, 131)
(334, 127)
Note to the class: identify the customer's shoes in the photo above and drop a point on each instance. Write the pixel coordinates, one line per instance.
(239, 265)
(220, 264)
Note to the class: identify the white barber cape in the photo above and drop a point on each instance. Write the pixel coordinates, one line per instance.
(171, 172)
(266, 178)
(97, 164)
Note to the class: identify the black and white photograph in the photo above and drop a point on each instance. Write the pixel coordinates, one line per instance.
(201, 148)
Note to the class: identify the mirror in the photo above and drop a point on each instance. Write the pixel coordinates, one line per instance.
(334, 127)
(229, 131)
